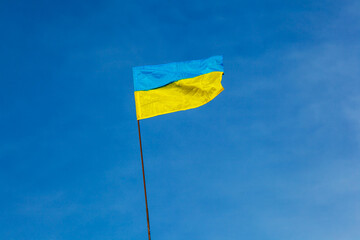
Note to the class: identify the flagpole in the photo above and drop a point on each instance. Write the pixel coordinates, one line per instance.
(143, 171)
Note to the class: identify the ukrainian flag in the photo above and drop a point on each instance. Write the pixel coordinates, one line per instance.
(172, 87)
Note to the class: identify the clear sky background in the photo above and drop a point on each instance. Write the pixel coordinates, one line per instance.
(274, 157)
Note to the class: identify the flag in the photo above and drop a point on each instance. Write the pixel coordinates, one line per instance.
(172, 87)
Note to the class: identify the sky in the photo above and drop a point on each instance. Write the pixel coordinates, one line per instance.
(274, 157)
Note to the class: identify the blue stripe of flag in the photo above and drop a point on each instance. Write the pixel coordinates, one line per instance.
(155, 76)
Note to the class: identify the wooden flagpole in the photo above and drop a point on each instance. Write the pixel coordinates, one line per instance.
(143, 171)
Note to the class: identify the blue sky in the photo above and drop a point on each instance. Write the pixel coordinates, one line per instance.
(274, 157)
